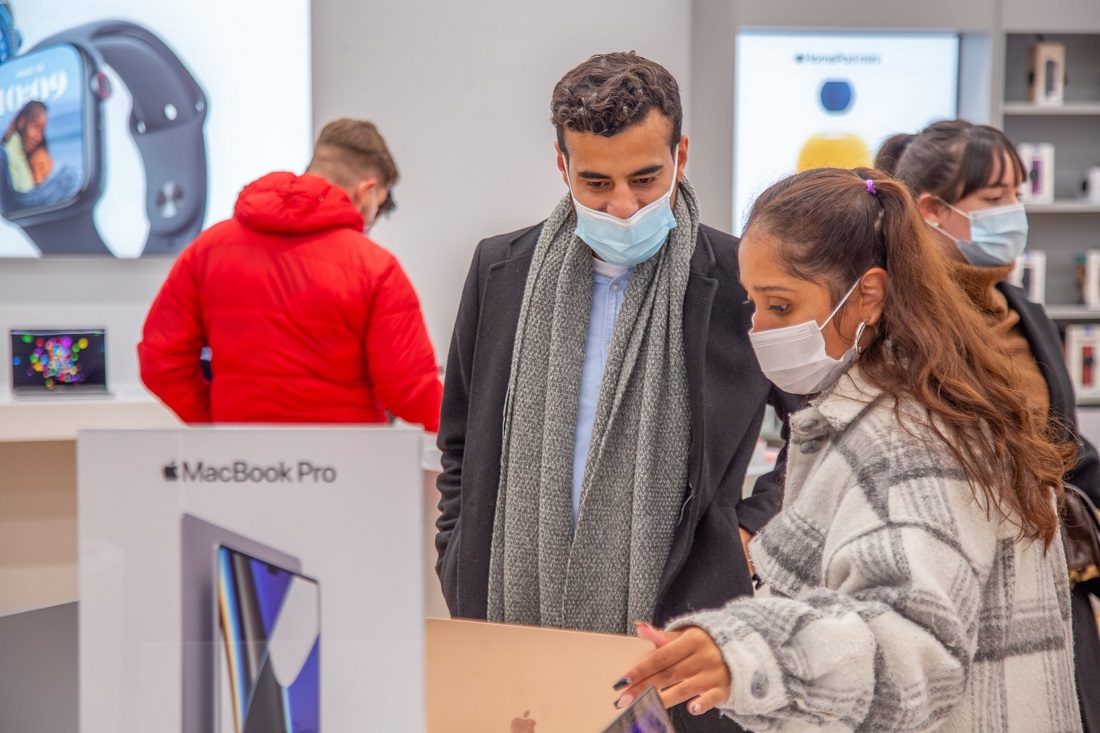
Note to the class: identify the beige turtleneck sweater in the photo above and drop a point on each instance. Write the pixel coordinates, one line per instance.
(980, 284)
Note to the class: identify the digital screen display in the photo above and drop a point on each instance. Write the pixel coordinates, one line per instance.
(816, 100)
(269, 669)
(647, 714)
(42, 117)
(45, 361)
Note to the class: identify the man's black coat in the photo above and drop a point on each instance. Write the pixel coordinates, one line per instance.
(706, 565)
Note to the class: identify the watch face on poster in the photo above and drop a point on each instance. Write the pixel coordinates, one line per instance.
(43, 115)
(140, 109)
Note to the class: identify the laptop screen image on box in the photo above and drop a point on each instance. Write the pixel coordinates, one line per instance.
(45, 362)
(207, 694)
(497, 678)
(269, 674)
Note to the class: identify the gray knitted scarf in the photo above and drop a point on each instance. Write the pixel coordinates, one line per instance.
(606, 574)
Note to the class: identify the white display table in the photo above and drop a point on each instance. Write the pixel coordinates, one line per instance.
(59, 419)
(38, 486)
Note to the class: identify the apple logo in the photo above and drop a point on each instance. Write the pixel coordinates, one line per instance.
(171, 472)
(524, 724)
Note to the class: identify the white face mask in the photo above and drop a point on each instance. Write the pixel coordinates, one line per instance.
(794, 359)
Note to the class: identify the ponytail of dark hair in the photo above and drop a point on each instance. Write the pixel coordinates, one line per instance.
(930, 346)
(890, 152)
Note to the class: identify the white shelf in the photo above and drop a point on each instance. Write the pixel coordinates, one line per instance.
(60, 417)
(1072, 313)
(1063, 110)
(1063, 206)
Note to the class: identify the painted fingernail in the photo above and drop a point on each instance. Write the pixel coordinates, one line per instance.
(621, 684)
(623, 701)
(696, 708)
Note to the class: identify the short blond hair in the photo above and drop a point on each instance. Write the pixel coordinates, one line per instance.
(347, 149)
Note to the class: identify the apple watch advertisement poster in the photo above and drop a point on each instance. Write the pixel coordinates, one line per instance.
(814, 100)
(127, 127)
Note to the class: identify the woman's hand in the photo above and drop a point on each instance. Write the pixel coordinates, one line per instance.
(687, 664)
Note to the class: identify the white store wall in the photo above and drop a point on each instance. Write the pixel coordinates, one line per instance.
(460, 91)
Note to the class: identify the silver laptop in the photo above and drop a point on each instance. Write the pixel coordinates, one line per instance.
(47, 362)
(495, 678)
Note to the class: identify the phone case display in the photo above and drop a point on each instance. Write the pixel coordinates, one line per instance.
(1038, 159)
(1090, 185)
(1088, 278)
(1030, 274)
(1082, 351)
(1048, 73)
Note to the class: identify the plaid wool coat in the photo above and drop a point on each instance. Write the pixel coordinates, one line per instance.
(896, 604)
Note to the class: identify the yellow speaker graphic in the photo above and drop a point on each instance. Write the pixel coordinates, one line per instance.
(834, 150)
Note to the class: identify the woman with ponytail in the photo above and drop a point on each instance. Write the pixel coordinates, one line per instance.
(917, 576)
(965, 178)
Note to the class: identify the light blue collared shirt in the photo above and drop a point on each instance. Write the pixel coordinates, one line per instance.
(608, 290)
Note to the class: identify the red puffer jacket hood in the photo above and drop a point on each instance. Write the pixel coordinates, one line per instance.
(285, 203)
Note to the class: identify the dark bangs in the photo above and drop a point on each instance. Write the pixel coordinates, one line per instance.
(981, 162)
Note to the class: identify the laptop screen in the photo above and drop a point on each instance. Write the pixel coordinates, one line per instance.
(58, 361)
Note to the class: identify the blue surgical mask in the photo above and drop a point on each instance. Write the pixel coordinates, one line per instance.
(626, 242)
(997, 235)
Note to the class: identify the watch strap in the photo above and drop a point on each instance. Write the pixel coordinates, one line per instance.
(166, 121)
(74, 235)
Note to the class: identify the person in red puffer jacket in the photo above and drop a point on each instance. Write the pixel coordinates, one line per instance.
(307, 320)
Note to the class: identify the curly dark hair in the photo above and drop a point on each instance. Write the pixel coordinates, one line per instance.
(613, 91)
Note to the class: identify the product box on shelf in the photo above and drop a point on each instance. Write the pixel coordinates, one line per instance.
(1030, 274)
(1048, 74)
(1090, 185)
(1082, 349)
(1038, 159)
(1088, 278)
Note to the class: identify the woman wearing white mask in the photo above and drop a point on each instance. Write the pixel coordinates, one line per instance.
(917, 576)
(965, 177)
